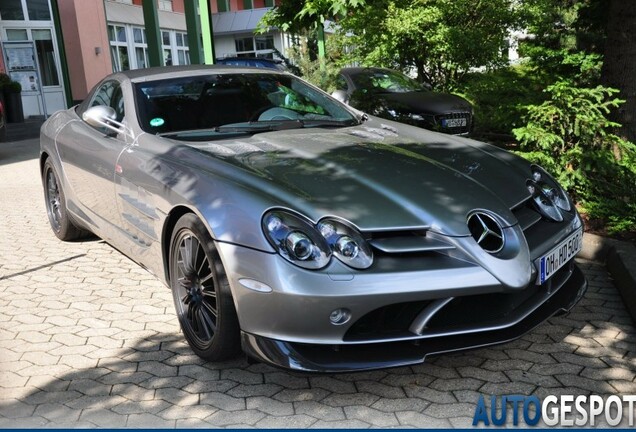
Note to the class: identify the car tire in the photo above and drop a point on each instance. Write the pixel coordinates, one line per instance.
(201, 292)
(55, 200)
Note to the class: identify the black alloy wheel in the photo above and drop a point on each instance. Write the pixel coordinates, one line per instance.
(201, 292)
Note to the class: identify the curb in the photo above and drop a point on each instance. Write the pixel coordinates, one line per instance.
(620, 259)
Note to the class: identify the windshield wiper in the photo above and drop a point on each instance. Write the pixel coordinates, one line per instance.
(260, 126)
(242, 128)
(328, 123)
(254, 127)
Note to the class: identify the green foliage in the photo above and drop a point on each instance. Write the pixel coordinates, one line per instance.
(301, 16)
(499, 97)
(440, 39)
(323, 76)
(12, 87)
(571, 136)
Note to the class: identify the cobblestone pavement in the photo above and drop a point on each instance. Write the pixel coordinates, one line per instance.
(87, 338)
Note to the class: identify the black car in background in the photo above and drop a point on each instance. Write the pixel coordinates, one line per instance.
(282, 65)
(258, 62)
(392, 95)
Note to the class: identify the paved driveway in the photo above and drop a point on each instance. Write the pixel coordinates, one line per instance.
(87, 338)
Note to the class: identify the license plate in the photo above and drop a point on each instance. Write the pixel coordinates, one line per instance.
(454, 122)
(559, 256)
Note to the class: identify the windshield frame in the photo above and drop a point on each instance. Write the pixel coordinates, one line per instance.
(268, 87)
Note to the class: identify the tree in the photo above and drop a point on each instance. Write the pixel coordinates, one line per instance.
(619, 67)
(440, 39)
(306, 17)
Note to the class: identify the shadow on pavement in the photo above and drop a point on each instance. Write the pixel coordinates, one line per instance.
(19, 151)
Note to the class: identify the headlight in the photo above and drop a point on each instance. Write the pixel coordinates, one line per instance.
(310, 246)
(544, 204)
(347, 243)
(551, 188)
(296, 239)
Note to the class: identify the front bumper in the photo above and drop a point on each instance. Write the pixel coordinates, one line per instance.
(363, 356)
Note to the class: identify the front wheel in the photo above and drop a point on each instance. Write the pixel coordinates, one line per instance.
(201, 292)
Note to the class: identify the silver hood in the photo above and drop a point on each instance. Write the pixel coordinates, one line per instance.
(378, 179)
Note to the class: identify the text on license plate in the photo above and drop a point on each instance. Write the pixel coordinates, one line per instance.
(557, 257)
(455, 122)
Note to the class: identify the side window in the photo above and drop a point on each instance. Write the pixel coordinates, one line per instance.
(341, 83)
(110, 94)
(104, 94)
(117, 102)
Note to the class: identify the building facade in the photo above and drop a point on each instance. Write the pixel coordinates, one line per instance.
(75, 43)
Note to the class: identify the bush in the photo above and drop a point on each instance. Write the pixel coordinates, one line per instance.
(571, 136)
(311, 70)
(12, 87)
(499, 98)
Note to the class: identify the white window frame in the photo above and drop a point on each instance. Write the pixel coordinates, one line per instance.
(255, 52)
(165, 5)
(182, 49)
(143, 45)
(119, 44)
(132, 46)
(25, 14)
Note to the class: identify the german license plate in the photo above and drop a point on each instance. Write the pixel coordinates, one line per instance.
(454, 122)
(559, 256)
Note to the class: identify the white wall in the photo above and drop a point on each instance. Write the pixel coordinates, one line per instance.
(224, 45)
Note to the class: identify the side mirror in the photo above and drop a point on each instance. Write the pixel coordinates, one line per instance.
(102, 116)
(341, 96)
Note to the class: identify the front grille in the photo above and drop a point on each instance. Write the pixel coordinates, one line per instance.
(466, 313)
(442, 122)
(392, 321)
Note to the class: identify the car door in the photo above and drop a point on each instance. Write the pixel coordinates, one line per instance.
(89, 155)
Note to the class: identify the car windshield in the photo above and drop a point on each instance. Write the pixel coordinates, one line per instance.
(385, 81)
(218, 104)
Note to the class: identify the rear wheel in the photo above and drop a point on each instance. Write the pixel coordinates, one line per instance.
(60, 221)
(201, 292)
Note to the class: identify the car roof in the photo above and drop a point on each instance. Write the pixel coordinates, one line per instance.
(358, 70)
(263, 59)
(163, 72)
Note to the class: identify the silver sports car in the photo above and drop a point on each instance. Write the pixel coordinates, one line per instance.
(310, 235)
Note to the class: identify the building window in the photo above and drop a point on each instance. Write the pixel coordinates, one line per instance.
(141, 47)
(118, 47)
(11, 10)
(167, 48)
(46, 57)
(183, 52)
(175, 48)
(165, 5)
(125, 39)
(259, 46)
(38, 10)
(269, 3)
(223, 5)
(17, 35)
(248, 4)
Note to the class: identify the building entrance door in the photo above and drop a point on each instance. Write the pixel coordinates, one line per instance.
(31, 20)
